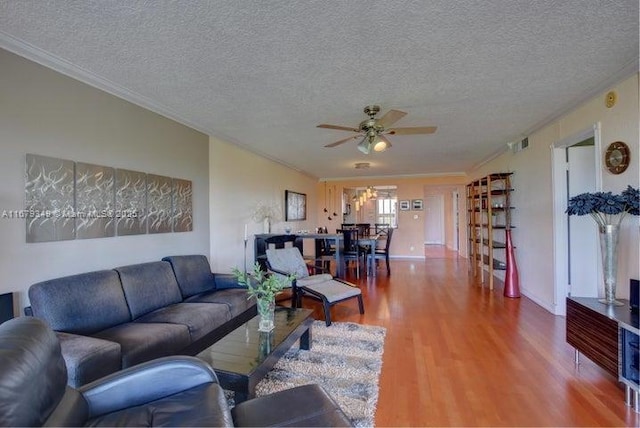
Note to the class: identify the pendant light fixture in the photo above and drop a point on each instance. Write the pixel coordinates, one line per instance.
(325, 198)
(325, 204)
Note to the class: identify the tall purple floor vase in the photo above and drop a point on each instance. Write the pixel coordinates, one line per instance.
(511, 279)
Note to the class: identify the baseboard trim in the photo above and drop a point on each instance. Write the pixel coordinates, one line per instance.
(408, 257)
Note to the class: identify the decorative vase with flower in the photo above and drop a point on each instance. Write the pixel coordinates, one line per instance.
(265, 214)
(263, 287)
(608, 211)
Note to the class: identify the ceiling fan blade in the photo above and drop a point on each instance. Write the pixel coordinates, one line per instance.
(391, 117)
(338, 127)
(337, 143)
(412, 131)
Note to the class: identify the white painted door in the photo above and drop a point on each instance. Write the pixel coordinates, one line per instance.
(456, 217)
(434, 219)
(583, 236)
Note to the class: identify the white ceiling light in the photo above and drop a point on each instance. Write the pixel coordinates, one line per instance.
(381, 144)
(374, 141)
(365, 146)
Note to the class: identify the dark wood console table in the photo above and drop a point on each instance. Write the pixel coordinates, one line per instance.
(601, 333)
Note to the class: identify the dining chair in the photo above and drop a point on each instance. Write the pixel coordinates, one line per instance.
(352, 251)
(381, 231)
(382, 253)
(325, 252)
(381, 228)
(322, 287)
(364, 229)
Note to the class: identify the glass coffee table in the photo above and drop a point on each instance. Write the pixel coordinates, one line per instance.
(243, 357)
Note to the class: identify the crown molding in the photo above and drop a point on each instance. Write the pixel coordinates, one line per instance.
(373, 177)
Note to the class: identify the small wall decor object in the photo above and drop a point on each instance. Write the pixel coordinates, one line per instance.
(610, 99)
(617, 157)
(159, 203)
(95, 201)
(182, 219)
(49, 196)
(131, 202)
(295, 206)
(265, 213)
(417, 205)
(404, 205)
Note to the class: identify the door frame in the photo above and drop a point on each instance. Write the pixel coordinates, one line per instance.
(455, 214)
(560, 202)
(441, 213)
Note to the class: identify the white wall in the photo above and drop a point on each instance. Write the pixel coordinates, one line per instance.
(46, 113)
(239, 180)
(532, 198)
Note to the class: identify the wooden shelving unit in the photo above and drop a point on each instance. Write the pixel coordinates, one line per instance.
(488, 217)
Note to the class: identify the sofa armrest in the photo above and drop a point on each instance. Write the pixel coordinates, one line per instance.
(226, 280)
(146, 382)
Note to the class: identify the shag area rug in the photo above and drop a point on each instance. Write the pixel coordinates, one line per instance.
(345, 358)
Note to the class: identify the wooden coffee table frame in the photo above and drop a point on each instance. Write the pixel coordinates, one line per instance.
(242, 358)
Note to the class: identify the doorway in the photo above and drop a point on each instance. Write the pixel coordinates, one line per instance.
(575, 171)
(434, 219)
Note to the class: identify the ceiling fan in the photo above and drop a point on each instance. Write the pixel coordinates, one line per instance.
(374, 130)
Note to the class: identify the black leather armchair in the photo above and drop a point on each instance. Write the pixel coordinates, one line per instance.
(169, 391)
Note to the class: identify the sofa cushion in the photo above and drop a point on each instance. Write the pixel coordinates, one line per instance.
(141, 342)
(149, 286)
(236, 299)
(88, 358)
(80, 304)
(202, 406)
(200, 318)
(193, 274)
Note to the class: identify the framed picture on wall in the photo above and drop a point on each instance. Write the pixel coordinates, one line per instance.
(416, 204)
(404, 205)
(295, 206)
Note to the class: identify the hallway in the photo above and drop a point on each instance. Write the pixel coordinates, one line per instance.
(459, 355)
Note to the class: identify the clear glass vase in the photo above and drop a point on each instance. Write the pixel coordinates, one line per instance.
(609, 248)
(266, 312)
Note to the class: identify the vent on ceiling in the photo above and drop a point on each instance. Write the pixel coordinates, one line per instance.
(362, 165)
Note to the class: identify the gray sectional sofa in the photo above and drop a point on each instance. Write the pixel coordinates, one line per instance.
(113, 319)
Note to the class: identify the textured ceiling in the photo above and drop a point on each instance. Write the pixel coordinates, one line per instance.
(262, 74)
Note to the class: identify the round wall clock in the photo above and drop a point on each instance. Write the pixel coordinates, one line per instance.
(617, 157)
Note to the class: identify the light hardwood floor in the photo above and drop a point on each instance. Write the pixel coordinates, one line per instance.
(459, 355)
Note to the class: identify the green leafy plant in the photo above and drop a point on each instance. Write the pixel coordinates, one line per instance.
(260, 284)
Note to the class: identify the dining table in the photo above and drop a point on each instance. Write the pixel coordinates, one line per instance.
(336, 240)
(338, 245)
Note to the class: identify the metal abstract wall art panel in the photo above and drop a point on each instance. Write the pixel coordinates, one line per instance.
(69, 200)
(95, 201)
(49, 199)
(158, 203)
(131, 202)
(182, 218)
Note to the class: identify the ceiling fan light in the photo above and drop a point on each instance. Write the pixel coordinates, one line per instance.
(364, 146)
(381, 144)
